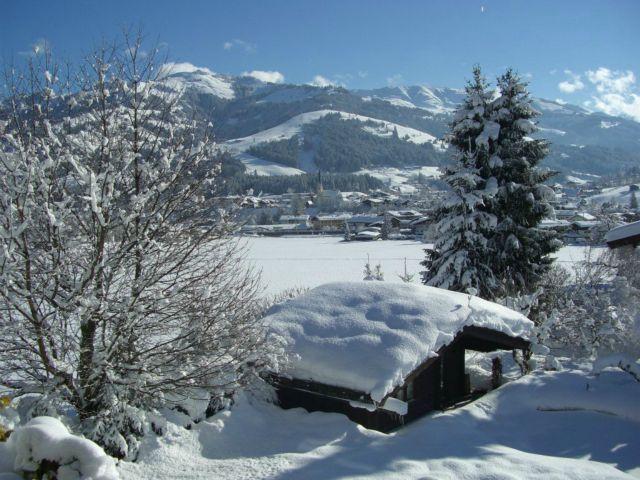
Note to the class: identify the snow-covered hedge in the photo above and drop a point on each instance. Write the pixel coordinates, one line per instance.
(47, 439)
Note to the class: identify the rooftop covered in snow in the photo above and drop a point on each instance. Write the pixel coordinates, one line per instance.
(369, 336)
(628, 234)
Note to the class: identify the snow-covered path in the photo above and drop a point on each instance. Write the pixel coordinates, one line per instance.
(565, 425)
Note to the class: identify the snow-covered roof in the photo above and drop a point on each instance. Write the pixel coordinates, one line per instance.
(624, 231)
(369, 336)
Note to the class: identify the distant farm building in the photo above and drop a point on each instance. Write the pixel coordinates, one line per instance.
(623, 236)
(384, 354)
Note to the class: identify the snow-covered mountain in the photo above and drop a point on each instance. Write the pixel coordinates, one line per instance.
(434, 100)
(284, 129)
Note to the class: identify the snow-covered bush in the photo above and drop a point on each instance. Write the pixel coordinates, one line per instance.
(121, 289)
(45, 445)
(597, 311)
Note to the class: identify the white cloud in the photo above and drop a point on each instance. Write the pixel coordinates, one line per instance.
(607, 81)
(573, 85)
(395, 80)
(362, 73)
(236, 43)
(560, 101)
(616, 92)
(265, 76)
(320, 81)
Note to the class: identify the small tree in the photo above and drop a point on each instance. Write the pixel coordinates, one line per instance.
(406, 277)
(120, 289)
(373, 273)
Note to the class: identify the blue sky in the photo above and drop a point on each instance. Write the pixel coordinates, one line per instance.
(578, 51)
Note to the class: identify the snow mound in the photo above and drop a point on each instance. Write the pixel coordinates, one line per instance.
(369, 336)
(46, 438)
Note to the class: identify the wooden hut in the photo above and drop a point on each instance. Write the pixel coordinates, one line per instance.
(385, 354)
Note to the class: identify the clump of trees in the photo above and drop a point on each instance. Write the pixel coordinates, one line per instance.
(120, 288)
(286, 152)
(278, 184)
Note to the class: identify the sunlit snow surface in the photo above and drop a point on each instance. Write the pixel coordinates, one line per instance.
(565, 425)
(309, 261)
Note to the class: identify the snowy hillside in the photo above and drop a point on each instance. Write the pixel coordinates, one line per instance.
(433, 100)
(615, 195)
(564, 425)
(293, 126)
(201, 80)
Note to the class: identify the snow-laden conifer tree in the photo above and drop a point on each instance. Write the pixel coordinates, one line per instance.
(522, 248)
(120, 290)
(460, 259)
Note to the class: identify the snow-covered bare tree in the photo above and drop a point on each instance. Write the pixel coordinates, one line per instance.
(460, 259)
(120, 288)
(595, 311)
(521, 202)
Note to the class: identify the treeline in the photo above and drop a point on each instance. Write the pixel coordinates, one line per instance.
(240, 184)
(344, 146)
(285, 152)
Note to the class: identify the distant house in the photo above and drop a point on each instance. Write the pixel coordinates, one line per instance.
(295, 219)
(330, 222)
(402, 218)
(358, 223)
(383, 353)
(625, 235)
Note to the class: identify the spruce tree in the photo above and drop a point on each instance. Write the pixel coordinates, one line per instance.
(522, 248)
(460, 257)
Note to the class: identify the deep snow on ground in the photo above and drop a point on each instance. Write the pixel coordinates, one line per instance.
(563, 425)
(309, 261)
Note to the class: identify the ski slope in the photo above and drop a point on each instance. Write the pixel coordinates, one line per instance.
(294, 125)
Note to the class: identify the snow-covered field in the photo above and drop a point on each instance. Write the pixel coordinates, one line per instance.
(565, 425)
(399, 177)
(309, 261)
